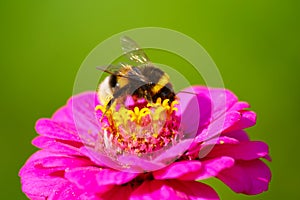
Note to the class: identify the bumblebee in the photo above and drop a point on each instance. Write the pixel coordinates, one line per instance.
(141, 81)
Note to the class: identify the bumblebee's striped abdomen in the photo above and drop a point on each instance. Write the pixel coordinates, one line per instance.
(162, 82)
(166, 92)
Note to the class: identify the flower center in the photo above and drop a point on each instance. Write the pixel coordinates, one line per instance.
(138, 127)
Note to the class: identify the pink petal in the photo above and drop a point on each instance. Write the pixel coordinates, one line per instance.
(248, 177)
(64, 114)
(80, 112)
(190, 107)
(118, 193)
(225, 112)
(38, 181)
(63, 161)
(43, 175)
(98, 158)
(221, 140)
(217, 126)
(209, 104)
(194, 190)
(238, 106)
(90, 196)
(139, 165)
(58, 146)
(242, 151)
(174, 152)
(194, 170)
(240, 135)
(83, 108)
(51, 129)
(32, 166)
(221, 99)
(248, 119)
(41, 187)
(85, 178)
(210, 168)
(207, 146)
(43, 163)
(178, 169)
(108, 176)
(198, 106)
(31, 171)
(173, 189)
(66, 191)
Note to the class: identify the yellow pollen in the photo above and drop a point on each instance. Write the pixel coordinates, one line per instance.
(137, 114)
(121, 117)
(134, 137)
(157, 113)
(170, 108)
(158, 101)
(222, 142)
(155, 135)
(135, 129)
(161, 106)
(166, 103)
(100, 107)
(173, 105)
(156, 104)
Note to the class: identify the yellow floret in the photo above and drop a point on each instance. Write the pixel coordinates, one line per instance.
(137, 114)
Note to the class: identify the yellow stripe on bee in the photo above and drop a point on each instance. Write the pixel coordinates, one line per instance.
(164, 80)
(122, 81)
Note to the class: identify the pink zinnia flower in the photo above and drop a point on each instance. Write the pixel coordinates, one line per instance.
(161, 151)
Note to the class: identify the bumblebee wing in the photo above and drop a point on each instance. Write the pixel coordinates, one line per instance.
(134, 74)
(132, 50)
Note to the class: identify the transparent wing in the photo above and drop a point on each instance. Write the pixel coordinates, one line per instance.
(133, 74)
(132, 50)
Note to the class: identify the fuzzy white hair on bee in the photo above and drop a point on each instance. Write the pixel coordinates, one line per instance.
(105, 91)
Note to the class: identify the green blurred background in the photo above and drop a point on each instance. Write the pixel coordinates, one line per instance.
(255, 45)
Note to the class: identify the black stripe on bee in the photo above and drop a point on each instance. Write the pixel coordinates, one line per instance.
(113, 81)
(153, 74)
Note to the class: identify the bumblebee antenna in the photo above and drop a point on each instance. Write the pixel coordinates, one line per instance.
(110, 72)
(105, 70)
(187, 92)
